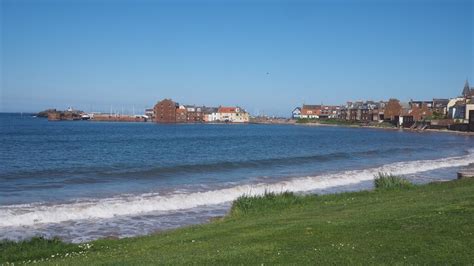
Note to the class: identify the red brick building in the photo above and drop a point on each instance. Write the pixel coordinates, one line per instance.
(165, 111)
(181, 114)
(194, 114)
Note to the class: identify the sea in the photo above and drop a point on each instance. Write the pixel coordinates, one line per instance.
(85, 180)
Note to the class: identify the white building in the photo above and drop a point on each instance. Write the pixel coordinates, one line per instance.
(469, 108)
(296, 114)
(212, 117)
(232, 114)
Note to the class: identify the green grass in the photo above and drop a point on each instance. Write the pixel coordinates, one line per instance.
(339, 122)
(35, 249)
(428, 224)
(389, 181)
(269, 201)
(327, 121)
(306, 120)
(343, 122)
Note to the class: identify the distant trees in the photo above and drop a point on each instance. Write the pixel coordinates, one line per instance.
(392, 109)
(438, 115)
(421, 113)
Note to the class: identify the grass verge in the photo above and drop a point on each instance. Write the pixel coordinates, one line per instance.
(427, 224)
(264, 203)
(390, 181)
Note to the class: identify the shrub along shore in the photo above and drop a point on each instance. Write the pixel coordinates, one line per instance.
(397, 223)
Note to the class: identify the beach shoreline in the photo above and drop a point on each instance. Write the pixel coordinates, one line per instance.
(153, 171)
(320, 222)
(334, 182)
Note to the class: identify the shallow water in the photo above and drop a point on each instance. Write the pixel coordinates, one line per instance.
(86, 180)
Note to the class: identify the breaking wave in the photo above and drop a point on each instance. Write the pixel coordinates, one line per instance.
(35, 214)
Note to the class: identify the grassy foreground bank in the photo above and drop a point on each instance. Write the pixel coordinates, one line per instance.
(429, 224)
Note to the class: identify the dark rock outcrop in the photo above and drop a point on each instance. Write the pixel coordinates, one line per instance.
(45, 113)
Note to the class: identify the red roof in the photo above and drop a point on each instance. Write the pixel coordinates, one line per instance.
(310, 111)
(227, 110)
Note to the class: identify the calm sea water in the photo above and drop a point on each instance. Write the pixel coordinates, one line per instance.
(86, 180)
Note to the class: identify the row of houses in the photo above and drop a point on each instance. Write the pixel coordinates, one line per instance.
(168, 111)
(457, 110)
(353, 111)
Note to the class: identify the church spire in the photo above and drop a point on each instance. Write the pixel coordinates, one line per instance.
(467, 89)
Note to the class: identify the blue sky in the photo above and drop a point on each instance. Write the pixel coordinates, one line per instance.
(96, 54)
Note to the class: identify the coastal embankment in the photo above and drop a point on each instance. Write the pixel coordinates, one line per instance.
(388, 225)
(385, 127)
(118, 118)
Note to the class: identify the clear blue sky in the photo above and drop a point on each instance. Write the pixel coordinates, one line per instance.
(97, 54)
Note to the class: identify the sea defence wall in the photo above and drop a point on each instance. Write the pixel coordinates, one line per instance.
(118, 118)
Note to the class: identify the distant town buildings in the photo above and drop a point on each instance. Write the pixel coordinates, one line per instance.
(461, 108)
(211, 114)
(232, 114)
(456, 112)
(165, 111)
(168, 111)
(296, 114)
(310, 111)
(363, 111)
(149, 112)
(440, 106)
(329, 111)
(467, 92)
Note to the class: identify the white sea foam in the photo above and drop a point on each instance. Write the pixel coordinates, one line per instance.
(36, 214)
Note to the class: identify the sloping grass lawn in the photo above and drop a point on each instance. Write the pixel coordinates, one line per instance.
(429, 224)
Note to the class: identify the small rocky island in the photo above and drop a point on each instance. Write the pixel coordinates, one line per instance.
(69, 114)
(75, 115)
